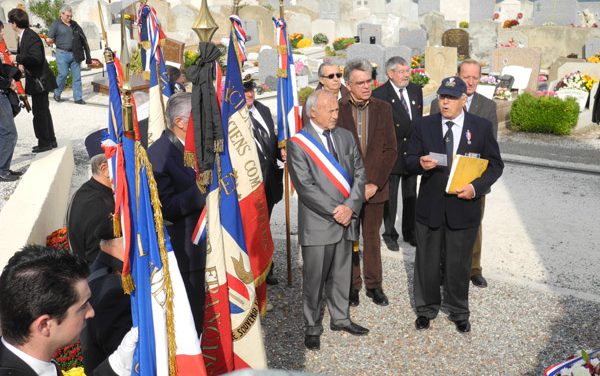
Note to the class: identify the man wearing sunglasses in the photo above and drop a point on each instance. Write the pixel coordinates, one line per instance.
(330, 79)
(448, 223)
(370, 120)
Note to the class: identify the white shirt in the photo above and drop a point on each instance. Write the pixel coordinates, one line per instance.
(259, 118)
(456, 129)
(320, 131)
(40, 367)
(469, 101)
(404, 95)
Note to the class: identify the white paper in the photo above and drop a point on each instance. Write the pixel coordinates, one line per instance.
(440, 158)
(521, 75)
(486, 90)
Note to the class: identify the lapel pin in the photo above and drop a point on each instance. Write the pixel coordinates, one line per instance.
(393, 101)
(413, 102)
(468, 134)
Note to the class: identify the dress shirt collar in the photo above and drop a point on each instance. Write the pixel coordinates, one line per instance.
(458, 121)
(40, 367)
(469, 101)
(396, 88)
(317, 129)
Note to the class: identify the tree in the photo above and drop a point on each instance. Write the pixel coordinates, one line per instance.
(47, 10)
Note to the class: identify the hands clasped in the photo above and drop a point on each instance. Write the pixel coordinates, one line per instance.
(342, 215)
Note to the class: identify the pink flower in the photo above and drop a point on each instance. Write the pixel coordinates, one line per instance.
(496, 16)
(519, 15)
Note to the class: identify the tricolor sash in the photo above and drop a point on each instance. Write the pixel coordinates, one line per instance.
(199, 233)
(338, 176)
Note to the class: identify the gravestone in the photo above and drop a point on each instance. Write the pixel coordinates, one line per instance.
(374, 53)
(426, 6)
(173, 50)
(182, 18)
(297, 23)
(592, 47)
(440, 62)
(264, 22)
(92, 33)
(329, 10)
(162, 7)
(482, 40)
(457, 38)
(415, 39)
(366, 31)
(591, 69)
(326, 27)
(553, 75)
(10, 36)
(2, 15)
(402, 51)
(268, 63)
(507, 36)
(563, 12)
(434, 25)
(525, 57)
(252, 35)
(481, 10)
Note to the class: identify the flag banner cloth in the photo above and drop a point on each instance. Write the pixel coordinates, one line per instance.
(150, 36)
(168, 343)
(232, 337)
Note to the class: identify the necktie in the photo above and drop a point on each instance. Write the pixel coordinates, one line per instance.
(404, 104)
(260, 135)
(332, 151)
(449, 140)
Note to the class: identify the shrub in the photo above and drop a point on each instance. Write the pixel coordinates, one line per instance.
(54, 67)
(47, 10)
(320, 38)
(342, 43)
(544, 114)
(463, 25)
(304, 93)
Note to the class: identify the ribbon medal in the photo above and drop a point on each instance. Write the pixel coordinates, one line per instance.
(469, 136)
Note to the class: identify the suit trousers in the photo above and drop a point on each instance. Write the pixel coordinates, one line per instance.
(195, 289)
(42, 119)
(476, 264)
(409, 200)
(371, 218)
(326, 270)
(458, 245)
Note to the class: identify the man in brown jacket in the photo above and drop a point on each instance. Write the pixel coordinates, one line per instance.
(370, 121)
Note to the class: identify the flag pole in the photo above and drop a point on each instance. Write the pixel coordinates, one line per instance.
(126, 91)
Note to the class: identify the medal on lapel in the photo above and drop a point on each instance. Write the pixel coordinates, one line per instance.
(468, 135)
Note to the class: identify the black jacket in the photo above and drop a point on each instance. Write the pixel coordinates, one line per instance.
(30, 53)
(81, 49)
(272, 174)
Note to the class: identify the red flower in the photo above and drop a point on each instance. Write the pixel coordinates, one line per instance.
(519, 16)
(496, 16)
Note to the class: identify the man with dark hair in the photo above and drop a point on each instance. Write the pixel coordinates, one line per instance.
(181, 200)
(71, 49)
(39, 79)
(44, 304)
(370, 120)
(406, 100)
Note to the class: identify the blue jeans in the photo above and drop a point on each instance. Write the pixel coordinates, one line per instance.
(65, 61)
(8, 134)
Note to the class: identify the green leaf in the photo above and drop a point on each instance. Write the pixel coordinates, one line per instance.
(585, 356)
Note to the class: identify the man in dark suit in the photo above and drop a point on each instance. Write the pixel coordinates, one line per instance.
(181, 200)
(39, 79)
(330, 79)
(370, 121)
(477, 104)
(447, 222)
(406, 100)
(44, 304)
(327, 217)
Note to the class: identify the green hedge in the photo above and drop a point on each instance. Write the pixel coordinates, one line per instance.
(54, 68)
(544, 114)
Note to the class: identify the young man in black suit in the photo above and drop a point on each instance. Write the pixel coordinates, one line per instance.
(406, 100)
(39, 79)
(447, 222)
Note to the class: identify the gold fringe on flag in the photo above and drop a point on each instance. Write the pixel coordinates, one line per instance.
(282, 50)
(142, 157)
(219, 146)
(281, 72)
(189, 159)
(205, 178)
(355, 247)
(281, 144)
(117, 226)
(127, 282)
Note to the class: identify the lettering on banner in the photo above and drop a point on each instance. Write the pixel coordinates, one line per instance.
(246, 325)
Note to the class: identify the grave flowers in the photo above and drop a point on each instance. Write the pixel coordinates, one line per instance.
(419, 77)
(576, 80)
(587, 364)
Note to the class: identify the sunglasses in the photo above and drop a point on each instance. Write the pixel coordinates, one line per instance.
(330, 76)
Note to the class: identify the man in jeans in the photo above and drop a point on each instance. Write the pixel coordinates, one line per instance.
(71, 49)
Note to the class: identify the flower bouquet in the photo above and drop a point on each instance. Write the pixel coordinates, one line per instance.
(342, 43)
(576, 80)
(419, 77)
(489, 80)
(58, 240)
(502, 93)
(295, 38)
(417, 61)
(588, 364)
(69, 357)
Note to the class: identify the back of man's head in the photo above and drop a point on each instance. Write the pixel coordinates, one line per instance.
(37, 281)
(179, 105)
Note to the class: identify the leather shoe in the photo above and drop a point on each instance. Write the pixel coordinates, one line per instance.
(378, 296)
(15, 173)
(463, 326)
(422, 323)
(392, 245)
(41, 149)
(353, 298)
(80, 101)
(312, 342)
(271, 280)
(8, 177)
(57, 98)
(412, 241)
(353, 329)
(54, 145)
(479, 281)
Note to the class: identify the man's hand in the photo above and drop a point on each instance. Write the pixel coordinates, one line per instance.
(467, 192)
(342, 215)
(13, 85)
(427, 163)
(283, 154)
(21, 67)
(121, 360)
(370, 190)
(49, 41)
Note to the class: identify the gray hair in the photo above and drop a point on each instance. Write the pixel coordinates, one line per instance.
(313, 99)
(356, 64)
(179, 104)
(324, 65)
(393, 61)
(96, 162)
(66, 8)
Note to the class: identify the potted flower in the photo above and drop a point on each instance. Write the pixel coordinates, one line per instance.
(418, 76)
(577, 85)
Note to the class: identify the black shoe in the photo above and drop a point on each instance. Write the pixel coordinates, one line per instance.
(353, 329)
(54, 145)
(479, 281)
(422, 323)
(411, 240)
(57, 98)
(80, 101)
(41, 149)
(463, 326)
(15, 173)
(271, 280)
(392, 245)
(378, 296)
(353, 299)
(8, 177)
(312, 342)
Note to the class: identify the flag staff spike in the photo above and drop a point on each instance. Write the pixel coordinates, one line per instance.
(126, 88)
(104, 37)
(281, 9)
(205, 26)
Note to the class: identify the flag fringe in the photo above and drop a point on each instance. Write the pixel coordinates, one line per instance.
(219, 146)
(281, 72)
(281, 144)
(117, 225)
(127, 283)
(189, 159)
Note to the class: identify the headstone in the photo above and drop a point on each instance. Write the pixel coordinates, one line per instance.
(366, 32)
(252, 35)
(458, 38)
(264, 22)
(553, 75)
(482, 40)
(509, 9)
(402, 51)
(440, 62)
(481, 10)
(563, 12)
(92, 33)
(524, 57)
(326, 27)
(415, 39)
(374, 53)
(580, 96)
(426, 6)
(173, 50)
(592, 47)
(181, 19)
(520, 75)
(268, 63)
(514, 37)
(163, 8)
(434, 25)
(298, 23)
(2, 15)
(329, 10)
(455, 10)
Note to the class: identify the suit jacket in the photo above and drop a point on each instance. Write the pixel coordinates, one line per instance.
(181, 200)
(318, 197)
(380, 156)
(480, 106)
(272, 174)
(402, 121)
(433, 204)
(30, 53)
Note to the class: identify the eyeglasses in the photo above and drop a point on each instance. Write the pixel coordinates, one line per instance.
(331, 76)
